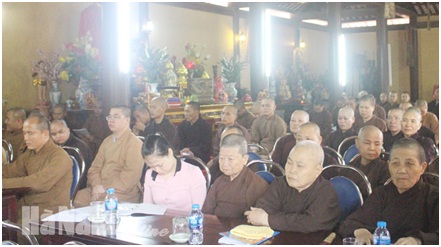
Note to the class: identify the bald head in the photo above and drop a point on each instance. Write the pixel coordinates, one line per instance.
(231, 130)
(304, 165)
(229, 115)
(268, 107)
(369, 143)
(422, 104)
(345, 118)
(366, 130)
(405, 105)
(298, 118)
(60, 133)
(158, 106)
(393, 121)
(309, 131)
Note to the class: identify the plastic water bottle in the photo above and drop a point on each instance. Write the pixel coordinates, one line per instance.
(196, 225)
(381, 234)
(111, 204)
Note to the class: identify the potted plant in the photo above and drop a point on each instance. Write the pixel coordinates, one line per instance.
(150, 66)
(231, 69)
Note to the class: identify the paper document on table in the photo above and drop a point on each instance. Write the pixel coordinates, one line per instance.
(71, 215)
(143, 208)
(81, 132)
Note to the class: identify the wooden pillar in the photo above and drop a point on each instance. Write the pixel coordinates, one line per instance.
(334, 25)
(115, 85)
(382, 54)
(413, 57)
(257, 65)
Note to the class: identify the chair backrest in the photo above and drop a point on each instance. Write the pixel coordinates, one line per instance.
(350, 153)
(354, 174)
(433, 166)
(266, 165)
(252, 156)
(258, 149)
(74, 151)
(142, 138)
(75, 176)
(267, 176)
(277, 141)
(334, 154)
(349, 195)
(347, 142)
(199, 163)
(23, 230)
(9, 151)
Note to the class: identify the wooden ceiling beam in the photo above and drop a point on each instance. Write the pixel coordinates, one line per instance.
(401, 10)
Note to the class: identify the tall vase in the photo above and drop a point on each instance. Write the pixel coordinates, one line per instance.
(83, 89)
(55, 94)
(230, 89)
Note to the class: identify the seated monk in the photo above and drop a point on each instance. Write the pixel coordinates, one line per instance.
(369, 143)
(301, 201)
(170, 181)
(213, 164)
(345, 121)
(118, 163)
(311, 131)
(44, 167)
(239, 187)
(409, 206)
(13, 134)
(228, 118)
(268, 127)
(283, 146)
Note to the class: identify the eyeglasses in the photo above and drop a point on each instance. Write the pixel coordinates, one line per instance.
(110, 117)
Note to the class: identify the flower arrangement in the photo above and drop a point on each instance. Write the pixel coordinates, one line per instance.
(194, 62)
(46, 69)
(150, 64)
(231, 69)
(81, 59)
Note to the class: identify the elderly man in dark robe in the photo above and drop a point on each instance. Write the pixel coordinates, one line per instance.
(409, 206)
(301, 201)
(239, 187)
